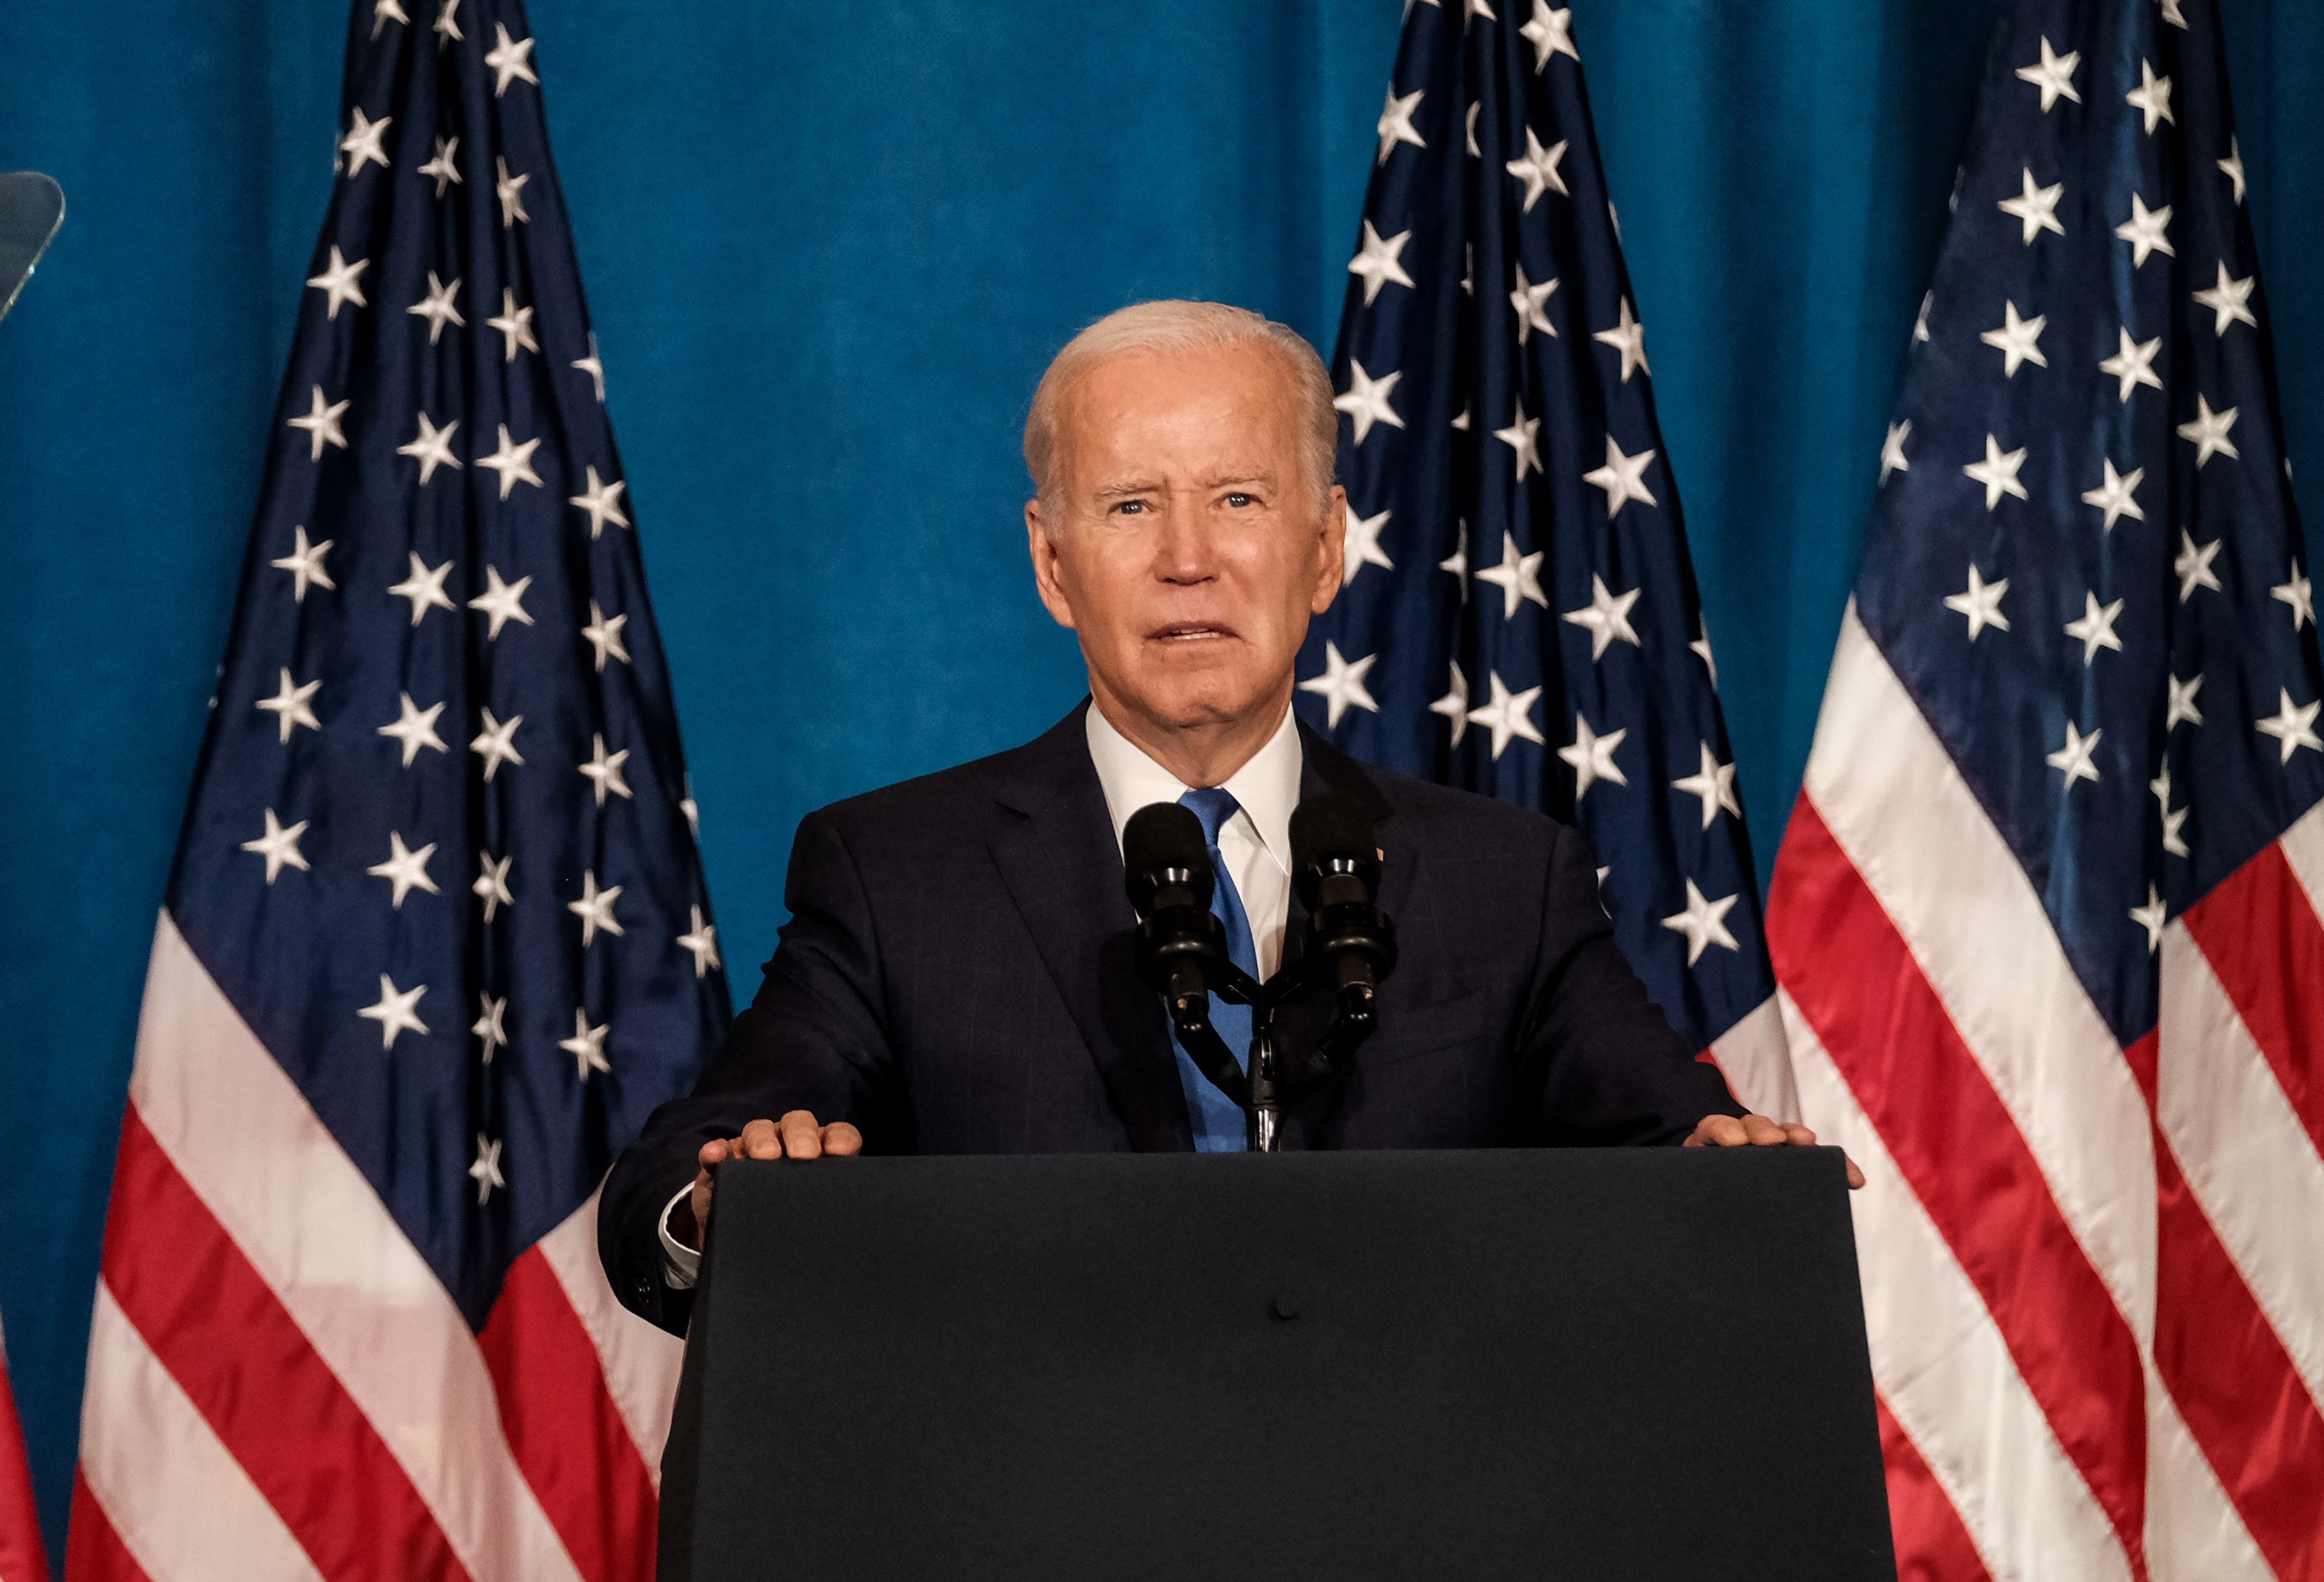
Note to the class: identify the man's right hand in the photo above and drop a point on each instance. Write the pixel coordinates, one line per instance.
(798, 1135)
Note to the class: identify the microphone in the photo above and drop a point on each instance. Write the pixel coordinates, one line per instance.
(1167, 866)
(1335, 866)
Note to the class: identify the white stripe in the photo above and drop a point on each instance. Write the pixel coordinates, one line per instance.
(2194, 1533)
(1895, 802)
(640, 1359)
(2246, 1157)
(1940, 1364)
(2303, 848)
(1757, 1068)
(183, 1506)
(242, 1133)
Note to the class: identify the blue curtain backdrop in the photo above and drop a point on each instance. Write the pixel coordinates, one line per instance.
(829, 249)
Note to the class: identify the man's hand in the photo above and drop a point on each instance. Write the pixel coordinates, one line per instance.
(1714, 1131)
(798, 1135)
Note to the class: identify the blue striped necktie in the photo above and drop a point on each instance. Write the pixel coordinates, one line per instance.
(1218, 1120)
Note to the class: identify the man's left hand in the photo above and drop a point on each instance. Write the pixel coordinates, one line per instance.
(1760, 1131)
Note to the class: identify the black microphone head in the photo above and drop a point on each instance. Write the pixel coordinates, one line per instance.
(1160, 839)
(1330, 825)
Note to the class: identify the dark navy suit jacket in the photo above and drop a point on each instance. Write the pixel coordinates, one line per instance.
(955, 978)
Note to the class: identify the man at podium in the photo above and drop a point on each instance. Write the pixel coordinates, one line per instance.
(956, 974)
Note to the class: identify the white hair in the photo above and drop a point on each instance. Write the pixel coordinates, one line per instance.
(1178, 326)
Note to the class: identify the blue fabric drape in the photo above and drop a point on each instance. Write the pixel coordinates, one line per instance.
(830, 248)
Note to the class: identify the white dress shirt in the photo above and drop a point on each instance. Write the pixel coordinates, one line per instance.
(1256, 843)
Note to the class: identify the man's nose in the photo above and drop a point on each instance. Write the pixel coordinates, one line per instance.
(1184, 548)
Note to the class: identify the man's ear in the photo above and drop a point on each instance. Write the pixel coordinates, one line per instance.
(1047, 580)
(1330, 552)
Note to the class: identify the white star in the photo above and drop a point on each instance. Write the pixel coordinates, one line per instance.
(2299, 594)
(489, 1028)
(496, 743)
(703, 940)
(587, 1046)
(1622, 477)
(602, 502)
(1704, 922)
(1714, 783)
(1377, 262)
(1523, 435)
(594, 909)
(2181, 705)
(1921, 323)
(361, 143)
(593, 366)
(1454, 705)
(1629, 338)
(1592, 757)
(503, 601)
(2151, 96)
(1469, 269)
(604, 771)
(511, 59)
(2150, 918)
(1366, 399)
(686, 805)
(438, 307)
(424, 588)
(515, 324)
(512, 462)
(1700, 647)
(1606, 616)
(1549, 34)
(2293, 728)
(2117, 496)
(1362, 547)
(290, 707)
(605, 635)
(1457, 562)
(2053, 75)
(2229, 302)
(305, 564)
(2147, 230)
(1474, 152)
(1892, 451)
(2017, 340)
(1396, 124)
(414, 728)
(1527, 300)
(405, 869)
(322, 424)
(2134, 365)
(447, 30)
(1459, 419)
(2037, 207)
(340, 283)
(492, 883)
(1538, 170)
(1470, 10)
(2208, 432)
(444, 167)
(2170, 13)
(394, 1012)
(509, 191)
(279, 846)
(1508, 715)
(1519, 576)
(2095, 630)
(2174, 821)
(431, 447)
(1342, 685)
(1981, 602)
(2194, 565)
(384, 11)
(485, 1171)
(2233, 166)
(1998, 472)
(2073, 759)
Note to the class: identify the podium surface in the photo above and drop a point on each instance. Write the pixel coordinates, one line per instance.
(1635, 1364)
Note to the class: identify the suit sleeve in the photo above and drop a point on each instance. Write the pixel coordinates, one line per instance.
(815, 1039)
(1609, 1069)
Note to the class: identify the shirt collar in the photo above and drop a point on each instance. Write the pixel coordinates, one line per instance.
(1267, 787)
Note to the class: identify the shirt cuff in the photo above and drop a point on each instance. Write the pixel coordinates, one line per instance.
(681, 1265)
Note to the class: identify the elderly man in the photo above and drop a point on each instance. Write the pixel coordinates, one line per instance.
(957, 974)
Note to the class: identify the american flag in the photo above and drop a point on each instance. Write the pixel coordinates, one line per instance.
(435, 939)
(1519, 613)
(2045, 917)
(22, 1558)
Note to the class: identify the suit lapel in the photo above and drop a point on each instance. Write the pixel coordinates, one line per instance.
(1063, 869)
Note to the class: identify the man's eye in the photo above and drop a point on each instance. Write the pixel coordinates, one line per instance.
(1239, 501)
(1131, 507)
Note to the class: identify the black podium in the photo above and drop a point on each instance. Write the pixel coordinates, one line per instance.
(1623, 1363)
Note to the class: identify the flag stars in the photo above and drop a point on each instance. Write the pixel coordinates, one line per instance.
(1606, 617)
(602, 502)
(340, 281)
(1396, 124)
(2036, 208)
(362, 144)
(2232, 167)
(502, 601)
(438, 307)
(2095, 630)
(496, 743)
(596, 908)
(512, 462)
(2293, 728)
(1519, 576)
(1527, 302)
(2300, 595)
(384, 11)
(587, 1046)
(2119, 496)
(1379, 262)
(2151, 97)
(1592, 757)
(405, 869)
(292, 706)
(305, 564)
(1362, 547)
(1457, 562)
(594, 367)
(424, 587)
(1550, 32)
(1508, 715)
(1524, 436)
(511, 59)
(279, 846)
(515, 325)
(2179, 707)
(2193, 565)
(414, 728)
(1998, 472)
(1366, 399)
(1700, 648)
(509, 191)
(2073, 759)
(701, 941)
(1704, 922)
(604, 771)
(603, 633)
(490, 1027)
(491, 885)
(2208, 432)
(448, 27)
(431, 448)
(2174, 844)
(2151, 917)
(2053, 74)
(322, 423)
(2229, 302)
(1342, 685)
(1538, 170)
(2133, 363)
(445, 168)
(1714, 783)
(1454, 705)
(395, 1011)
(485, 1169)
(1981, 602)
(2019, 341)
(2147, 230)
(1629, 338)
(1892, 451)
(1623, 477)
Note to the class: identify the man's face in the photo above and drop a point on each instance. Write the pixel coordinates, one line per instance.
(1184, 542)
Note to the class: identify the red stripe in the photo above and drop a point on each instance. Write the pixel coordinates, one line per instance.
(93, 1551)
(1855, 981)
(22, 1558)
(2241, 1397)
(2266, 946)
(212, 1321)
(1931, 1544)
(563, 1427)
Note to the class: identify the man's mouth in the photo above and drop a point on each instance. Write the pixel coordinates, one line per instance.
(1191, 632)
